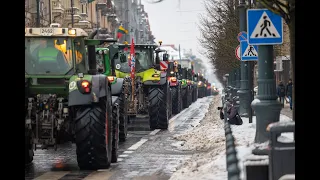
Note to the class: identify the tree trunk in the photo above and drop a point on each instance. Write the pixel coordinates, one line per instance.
(292, 31)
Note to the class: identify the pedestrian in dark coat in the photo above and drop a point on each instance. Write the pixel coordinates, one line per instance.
(281, 92)
(289, 92)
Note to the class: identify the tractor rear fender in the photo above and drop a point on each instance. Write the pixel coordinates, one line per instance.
(98, 83)
(116, 88)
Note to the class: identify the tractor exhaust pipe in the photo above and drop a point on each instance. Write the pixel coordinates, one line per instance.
(92, 34)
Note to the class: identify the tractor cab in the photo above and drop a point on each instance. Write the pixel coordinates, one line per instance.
(55, 54)
(143, 57)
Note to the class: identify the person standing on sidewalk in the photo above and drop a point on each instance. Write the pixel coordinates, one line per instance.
(289, 92)
(281, 92)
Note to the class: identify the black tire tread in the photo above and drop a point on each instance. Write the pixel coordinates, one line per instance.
(158, 107)
(176, 100)
(92, 152)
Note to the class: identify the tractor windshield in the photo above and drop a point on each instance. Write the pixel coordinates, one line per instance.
(143, 60)
(54, 55)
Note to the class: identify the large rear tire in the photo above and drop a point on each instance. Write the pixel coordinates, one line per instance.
(184, 93)
(176, 99)
(123, 109)
(28, 149)
(115, 133)
(159, 106)
(93, 130)
(189, 96)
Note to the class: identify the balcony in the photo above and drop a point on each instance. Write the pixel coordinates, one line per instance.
(76, 16)
(101, 4)
(83, 23)
(57, 8)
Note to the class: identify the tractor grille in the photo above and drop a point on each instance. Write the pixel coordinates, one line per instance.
(47, 81)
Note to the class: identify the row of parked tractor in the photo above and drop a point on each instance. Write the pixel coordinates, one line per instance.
(92, 100)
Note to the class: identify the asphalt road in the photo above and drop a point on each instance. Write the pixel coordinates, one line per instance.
(146, 155)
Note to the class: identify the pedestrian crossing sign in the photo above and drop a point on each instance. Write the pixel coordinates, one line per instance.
(248, 52)
(264, 27)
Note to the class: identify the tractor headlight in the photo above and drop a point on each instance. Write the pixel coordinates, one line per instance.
(72, 32)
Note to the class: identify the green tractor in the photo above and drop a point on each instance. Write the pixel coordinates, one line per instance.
(194, 87)
(66, 99)
(106, 66)
(175, 86)
(201, 86)
(149, 92)
(186, 88)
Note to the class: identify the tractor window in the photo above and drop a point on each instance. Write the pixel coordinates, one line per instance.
(46, 55)
(100, 62)
(80, 55)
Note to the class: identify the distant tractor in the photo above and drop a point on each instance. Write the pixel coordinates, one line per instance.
(66, 99)
(149, 92)
(175, 86)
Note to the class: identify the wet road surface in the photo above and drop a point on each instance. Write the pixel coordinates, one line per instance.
(146, 155)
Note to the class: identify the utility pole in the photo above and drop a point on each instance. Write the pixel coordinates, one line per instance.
(72, 13)
(179, 55)
(126, 17)
(38, 13)
(98, 22)
(266, 105)
(244, 93)
(50, 12)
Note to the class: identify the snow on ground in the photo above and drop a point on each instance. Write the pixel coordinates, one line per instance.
(207, 140)
(245, 134)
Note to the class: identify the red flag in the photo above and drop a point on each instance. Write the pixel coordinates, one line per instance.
(132, 59)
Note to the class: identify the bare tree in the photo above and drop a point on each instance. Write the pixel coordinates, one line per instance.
(219, 27)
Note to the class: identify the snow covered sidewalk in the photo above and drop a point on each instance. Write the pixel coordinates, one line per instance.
(208, 142)
(244, 137)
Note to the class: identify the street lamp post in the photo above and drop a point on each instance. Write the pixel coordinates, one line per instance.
(266, 106)
(244, 95)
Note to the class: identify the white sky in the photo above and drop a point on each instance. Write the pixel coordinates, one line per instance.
(174, 24)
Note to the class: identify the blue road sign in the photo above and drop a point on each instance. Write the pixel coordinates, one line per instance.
(264, 27)
(248, 52)
(242, 36)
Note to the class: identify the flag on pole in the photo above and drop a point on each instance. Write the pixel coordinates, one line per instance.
(121, 31)
(132, 60)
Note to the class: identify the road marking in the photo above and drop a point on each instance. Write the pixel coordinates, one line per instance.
(123, 155)
(128, 152)
(98, 175)
(52, 175)
(154, 132)
(138, 144)
(120, 159)
(177, 115)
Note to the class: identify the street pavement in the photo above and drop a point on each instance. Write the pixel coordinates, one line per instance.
(286, 110)
(146, 155)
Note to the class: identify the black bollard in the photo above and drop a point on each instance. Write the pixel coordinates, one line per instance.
(231, 150)
(233, 169)
(232, 159)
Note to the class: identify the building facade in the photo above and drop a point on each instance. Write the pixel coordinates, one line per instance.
(106, 15)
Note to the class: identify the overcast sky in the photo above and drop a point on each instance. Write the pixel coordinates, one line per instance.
(177, 24)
